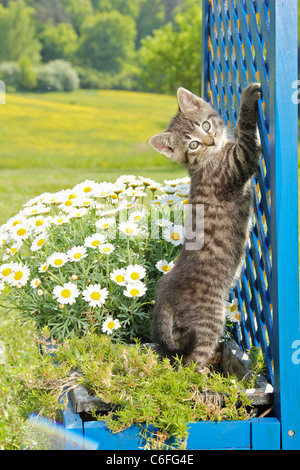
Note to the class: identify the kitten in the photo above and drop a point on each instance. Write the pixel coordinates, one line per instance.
(189, 316)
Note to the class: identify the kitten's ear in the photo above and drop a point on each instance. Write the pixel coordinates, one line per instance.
(163, 143)
(187, 101)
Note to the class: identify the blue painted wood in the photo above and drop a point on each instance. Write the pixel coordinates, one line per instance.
(265, 434)
(206, 435)
(284, 236)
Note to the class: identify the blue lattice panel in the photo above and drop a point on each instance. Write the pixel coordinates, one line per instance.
(238, 43)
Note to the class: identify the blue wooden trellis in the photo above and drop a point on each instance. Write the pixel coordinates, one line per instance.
(246, 41)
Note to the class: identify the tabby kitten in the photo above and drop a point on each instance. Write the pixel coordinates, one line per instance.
(189, 314)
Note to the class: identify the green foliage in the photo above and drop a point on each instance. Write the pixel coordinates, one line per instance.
(17, 32)
(107, 40)
(57, 75)
(144, 388)
(59, 42)
(172, 57)
(11, 75)
(28, 77)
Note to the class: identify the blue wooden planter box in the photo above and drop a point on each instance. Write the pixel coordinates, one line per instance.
(256, 433)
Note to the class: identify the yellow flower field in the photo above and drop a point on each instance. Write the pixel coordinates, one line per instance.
(82, 129)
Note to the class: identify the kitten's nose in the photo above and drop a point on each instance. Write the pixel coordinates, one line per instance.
(208, 140)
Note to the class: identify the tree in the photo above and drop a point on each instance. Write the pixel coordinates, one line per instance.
(172, 57)
(151, 17)
(17, 33)
(77, 11)
(59, 42)
(131, 8)
(107, 41)
(28, 77)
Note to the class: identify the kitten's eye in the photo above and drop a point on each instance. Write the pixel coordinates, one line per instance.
(194, 145)
(206, 126)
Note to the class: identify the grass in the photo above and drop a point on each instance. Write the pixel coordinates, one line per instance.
(53, 141)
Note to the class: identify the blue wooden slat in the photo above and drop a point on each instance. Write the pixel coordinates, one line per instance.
(284, 236)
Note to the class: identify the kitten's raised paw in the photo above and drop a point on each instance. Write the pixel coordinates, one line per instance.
(251, 94)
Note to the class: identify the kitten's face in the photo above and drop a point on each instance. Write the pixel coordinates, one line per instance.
(194, 134)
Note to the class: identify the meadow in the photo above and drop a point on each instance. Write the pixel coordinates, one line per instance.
(54, 141)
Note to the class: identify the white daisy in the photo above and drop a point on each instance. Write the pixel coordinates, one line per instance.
(35, 283)
(135, 289)
(36, 210)
(57, 259)
(66, 294)
(137, 216)
(60, 219)
(104, 190)
(6, 271)
(12, 250)
(231, 310)
(39, 242)
(174, 234)
(94, 240)
(78, 213)
(20, 275)
(110, 325)
(21, 231)
(163, 223)
(118, 276)
(40, 223)
(94, 295)
(86, 187)
(164, 266)
(129, 228)
(105, 223)
(106, 248)
(125, 204)
(4, 237)
(77, 253)
(135, 272)
(43, 268)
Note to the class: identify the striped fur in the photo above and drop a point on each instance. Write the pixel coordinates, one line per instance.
(189, 316)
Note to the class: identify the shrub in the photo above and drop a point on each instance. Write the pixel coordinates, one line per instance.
(10, 74)
(57, 75)
(28, 78)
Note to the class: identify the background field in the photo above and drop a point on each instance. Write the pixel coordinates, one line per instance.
(53, 141)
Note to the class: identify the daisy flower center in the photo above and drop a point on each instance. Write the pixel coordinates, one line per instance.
(21, 231)
(95, 243)
(95, 295)
(134, 276)
(166, 268)
(6, 272)
(176, 236)
(39, 222)
(119, 278)
(66, 293)
(110, 325)
(87, 189)
(77, 255)
(232, 308)
(18, 275)
(134, 292)
(106, 249)
(58, 262)
(128, 230)
(41, 242)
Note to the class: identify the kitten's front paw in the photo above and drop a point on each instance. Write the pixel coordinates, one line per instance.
(251, 94)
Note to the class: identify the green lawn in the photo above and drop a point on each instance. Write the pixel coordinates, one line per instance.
(53, 141)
